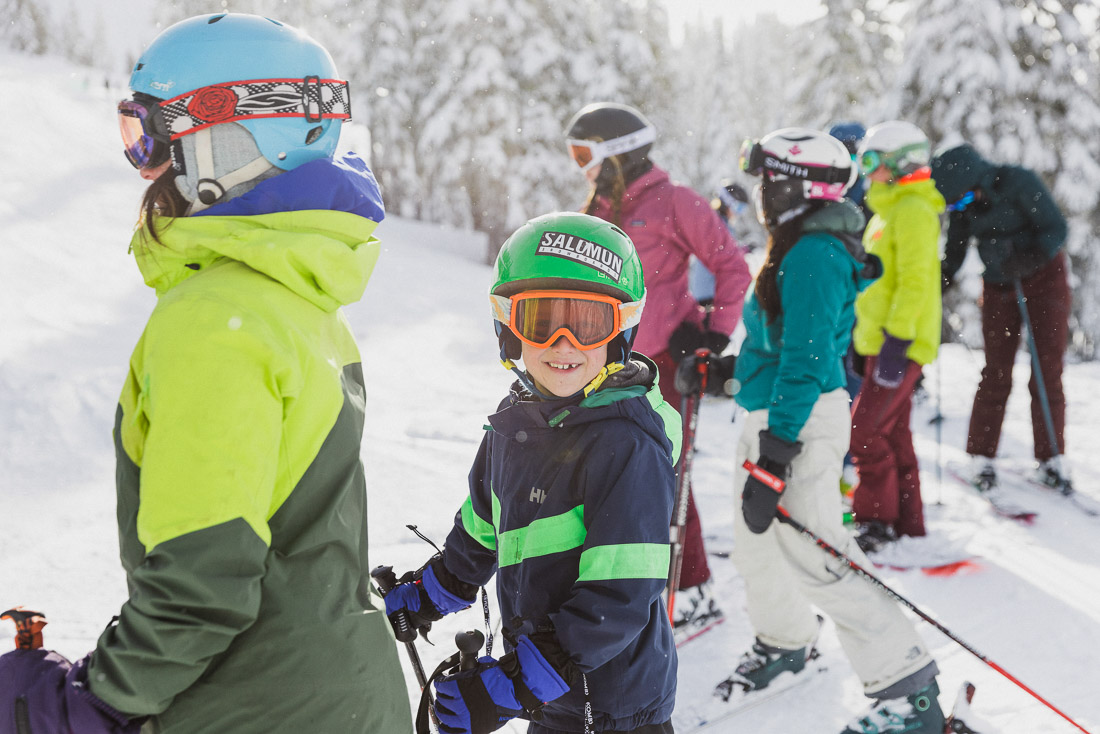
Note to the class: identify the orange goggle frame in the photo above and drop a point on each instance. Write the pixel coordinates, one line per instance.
(587, 320)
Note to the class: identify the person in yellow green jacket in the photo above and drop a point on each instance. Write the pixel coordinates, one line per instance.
(241, 494)
(897, 329)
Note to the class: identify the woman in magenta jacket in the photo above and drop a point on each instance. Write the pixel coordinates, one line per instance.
(667, 223)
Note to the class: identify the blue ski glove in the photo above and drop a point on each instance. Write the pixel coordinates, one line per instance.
(424, 599)
(41, 691)
(486, 697)
(890, 369)
(767, 480)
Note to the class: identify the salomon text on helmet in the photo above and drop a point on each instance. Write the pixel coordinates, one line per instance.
(900, 146)
(565, 252)
(798, 166)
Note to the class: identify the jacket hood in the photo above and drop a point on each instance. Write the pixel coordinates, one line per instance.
(630, 394)
(882, 196)
(958, 170)
(836, 216)
(324, 255)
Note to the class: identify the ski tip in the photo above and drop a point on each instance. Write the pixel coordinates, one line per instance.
(950, 569)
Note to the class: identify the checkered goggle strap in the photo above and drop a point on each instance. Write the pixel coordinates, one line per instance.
(312, 98)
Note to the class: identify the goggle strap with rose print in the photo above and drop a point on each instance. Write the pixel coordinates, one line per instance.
(313, 98)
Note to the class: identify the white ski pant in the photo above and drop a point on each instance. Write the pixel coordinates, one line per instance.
(785, 572)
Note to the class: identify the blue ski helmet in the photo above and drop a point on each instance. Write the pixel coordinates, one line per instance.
(283, 82)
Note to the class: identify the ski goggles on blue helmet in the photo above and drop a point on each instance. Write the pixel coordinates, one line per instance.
(145, 137)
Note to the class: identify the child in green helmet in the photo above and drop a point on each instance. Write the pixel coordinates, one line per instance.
(570, 499)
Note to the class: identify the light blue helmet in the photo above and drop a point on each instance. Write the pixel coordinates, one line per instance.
(283, 84)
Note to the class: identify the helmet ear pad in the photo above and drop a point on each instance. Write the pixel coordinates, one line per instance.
(782, 195)
(510, 345)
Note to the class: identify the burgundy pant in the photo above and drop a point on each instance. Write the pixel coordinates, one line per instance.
(882, 449)
(694, 570)
(1047, 296)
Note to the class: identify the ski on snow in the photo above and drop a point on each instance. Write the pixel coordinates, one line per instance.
(710, 718)
(1082, 502)
(995, 496)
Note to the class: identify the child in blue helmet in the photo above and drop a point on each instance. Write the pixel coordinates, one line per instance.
(238, 429)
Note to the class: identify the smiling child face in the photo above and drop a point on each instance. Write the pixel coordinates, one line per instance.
(561, 369)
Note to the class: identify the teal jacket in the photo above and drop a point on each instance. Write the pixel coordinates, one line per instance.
(786, 364)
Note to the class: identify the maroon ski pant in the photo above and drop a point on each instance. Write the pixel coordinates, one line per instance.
(694, 570)
(1047, 297)
(882, 450)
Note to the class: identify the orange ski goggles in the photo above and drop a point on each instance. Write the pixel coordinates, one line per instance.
(587, 320)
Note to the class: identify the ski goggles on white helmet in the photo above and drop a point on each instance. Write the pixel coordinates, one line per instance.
(588, 320)
(590, 153)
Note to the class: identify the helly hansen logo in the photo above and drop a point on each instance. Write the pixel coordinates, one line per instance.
(571, 247)
(537, 495)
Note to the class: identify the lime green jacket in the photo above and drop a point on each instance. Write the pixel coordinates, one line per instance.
(905, 301)
(241, 495)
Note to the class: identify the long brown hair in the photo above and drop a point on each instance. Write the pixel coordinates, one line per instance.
(618, 188)
(781, 239)
(162, 199)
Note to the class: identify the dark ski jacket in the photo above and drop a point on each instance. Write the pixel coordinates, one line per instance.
(570, 503)
(1016, 222)
(241, 496)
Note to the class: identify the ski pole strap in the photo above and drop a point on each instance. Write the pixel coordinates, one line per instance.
(488, 625)
(588, 726)
(28, 627)
(766, 478)
(424, 710)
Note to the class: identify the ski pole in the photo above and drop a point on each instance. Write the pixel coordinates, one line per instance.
(28, 627)
(386, 580)
(689, 409)
(785, 517)
(1037, 374)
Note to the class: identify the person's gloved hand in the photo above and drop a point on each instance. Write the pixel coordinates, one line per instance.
(719, 372)
(767, 480)
(423, 599)
(486, 697)
(688, 337)
(41, 691)
(1020, 261)
(890, 368)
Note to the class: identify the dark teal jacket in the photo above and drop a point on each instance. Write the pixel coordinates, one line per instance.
(1014, 216)
(787, 364)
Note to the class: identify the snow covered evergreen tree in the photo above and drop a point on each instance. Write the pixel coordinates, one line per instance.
(1018, 81)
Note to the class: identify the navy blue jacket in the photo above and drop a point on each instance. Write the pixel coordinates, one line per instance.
(570, 504)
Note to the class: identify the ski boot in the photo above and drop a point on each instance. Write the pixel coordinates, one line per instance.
(984, 478)
(763, 664)
(917, 713)
(696, 611)
(1050, 473)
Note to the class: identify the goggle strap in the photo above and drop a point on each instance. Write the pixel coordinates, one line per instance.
(256, 98)
(630, 141)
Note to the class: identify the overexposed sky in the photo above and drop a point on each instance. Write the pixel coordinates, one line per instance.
(733, 12)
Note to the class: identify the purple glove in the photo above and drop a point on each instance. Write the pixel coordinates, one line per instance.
(41, 691)
(892, 361)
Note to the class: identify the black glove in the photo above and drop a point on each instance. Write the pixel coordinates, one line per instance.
(688, 337)
(719, 374)
(1021, 261)
(767, 480)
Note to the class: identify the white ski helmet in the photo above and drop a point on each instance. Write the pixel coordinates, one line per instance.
(798, 165)
(900, 146)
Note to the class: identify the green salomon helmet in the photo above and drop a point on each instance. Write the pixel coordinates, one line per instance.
(569, 251)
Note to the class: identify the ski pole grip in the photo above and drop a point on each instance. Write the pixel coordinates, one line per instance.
(386, 580)
(469, 645)
(702, 358)
(28, 627)
(765, 477)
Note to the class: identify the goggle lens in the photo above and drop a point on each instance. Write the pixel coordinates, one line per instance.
(582, 154)
(540, 320)
(137, 144)
(869, 162)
